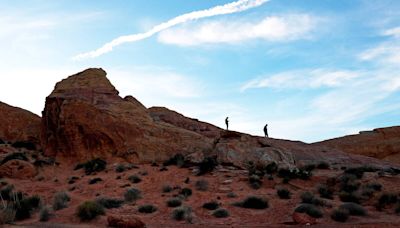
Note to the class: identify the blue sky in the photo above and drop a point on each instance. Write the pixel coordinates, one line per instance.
(310, 69)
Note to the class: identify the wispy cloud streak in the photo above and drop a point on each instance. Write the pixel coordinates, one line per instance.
(229, 8)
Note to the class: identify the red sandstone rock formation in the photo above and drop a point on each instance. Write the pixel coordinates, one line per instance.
(84, 117)
(18, 169)
(17, 124)
(381, 143)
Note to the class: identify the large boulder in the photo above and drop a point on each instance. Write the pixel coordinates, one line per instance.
(382, 143)
(84, 117)
(181, 121)
(19, 125)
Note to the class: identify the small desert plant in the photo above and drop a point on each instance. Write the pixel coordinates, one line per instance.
(353, 209)
(166, 189)
(349, 197)
(211, 205)
(24, 144)
(177, 159)
(231, 195)
(14, 156)
(25, 207)
(95, 180)
(271, 168)
(221, 213)
(89, 210)
(134, 179)
(174, 202)
(323, 165)
(307, 197)
(7, 213)
(120, 168)
(340, 215)
(325, 192)
(182, 213)
(253, 202)
(95, 165)
(6, 192)
(147, 209)
(186, 192)
(201, 185)
(60, 201)
(309, 209)
(283, 193)
(132, 194)
(387, 199)
(109, 202)
(207, 165)
(255, 181)
(375, 186)
(44, 214)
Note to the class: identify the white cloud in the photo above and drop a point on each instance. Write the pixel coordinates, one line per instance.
(303, 79)
(395, 32)
(273, 28)
(229, 8)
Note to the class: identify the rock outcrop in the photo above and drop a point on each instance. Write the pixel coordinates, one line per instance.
(18, 169)
(181, 121)
(19, 125)
(381, 143)
(84, 117)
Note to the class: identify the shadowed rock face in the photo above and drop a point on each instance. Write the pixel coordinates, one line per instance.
(381, 143)
(17, 124)
(84, 117)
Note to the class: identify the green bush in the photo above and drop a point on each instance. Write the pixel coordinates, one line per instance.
(134, 179)
(231, 195)
(340, 215)
(25, 207)
(353, 209)
(95, 165)
(211, 205)
(307, 197)
(186, 192)
(132, 194)
(174, 202)
(109, 202)
(325, 192)
(6, 191)
(60, 201)
(255, 181)
(44, 214)
(283, 193)
(166, 189)
(147, 209)
(177, 159)
(14, 156)
(7, 213)
(309, 209)
(24, 144)
(253, 202)
(323, 165)
(89, 210)
(387, 199)
(375, 186)
(120, 168)
(271, 168)
(201, 185)
(349, 197)
(182, 213)
(95, 180)
(221, 213)
(207, 165)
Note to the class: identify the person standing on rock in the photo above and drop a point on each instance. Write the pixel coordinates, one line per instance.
(266, 130)
(227, 122)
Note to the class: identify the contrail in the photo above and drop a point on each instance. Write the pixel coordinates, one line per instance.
(229, 8)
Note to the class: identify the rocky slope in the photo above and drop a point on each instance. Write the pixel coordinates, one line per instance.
(381, 143)
(19, 125)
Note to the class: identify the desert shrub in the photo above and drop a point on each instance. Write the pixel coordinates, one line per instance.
(89, 210)
(166, 189)
(340, 215)
(109, 202)
(14, 156)
(201, 185)
(95, 165)
(177, 159)
(163, 169)
(24, 144)
(253, 202)
(349, 197)
(309, 209)
(211, 205)
(318, 202)
(397, 210)
(132, 194)
(207, 165)
(25, 207)
(307, 197)
(323, 165)
(353, 209)
(182, 213)
(325, 192)
(271, 168)
(294, 173)
(221, 213)
(60, 201)
(255, 181)
(387, 199)
(186, 192)
(134, 179)
(283, 193)
(7, 213)
(174, 202)
(6, 192)
(44, 214)
(120, 168)
(95, 180)
(309, 167)
(147, 209)
(359, 171)
(375, 186)
(72, 180)
(231, 195)
(2, 142)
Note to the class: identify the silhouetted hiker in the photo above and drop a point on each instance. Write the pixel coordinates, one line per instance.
(266, 130)
(227, 122)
